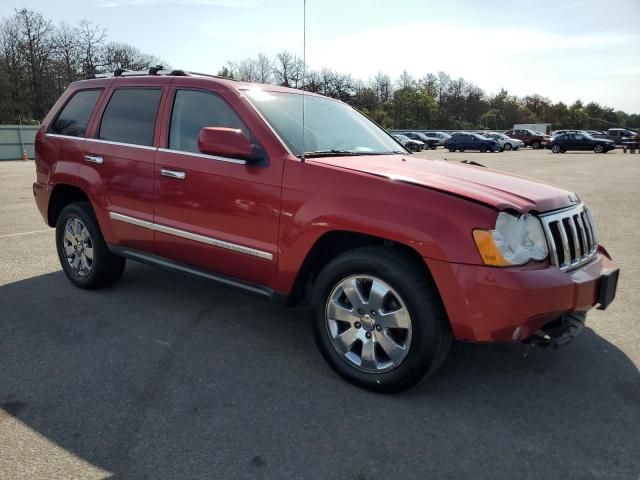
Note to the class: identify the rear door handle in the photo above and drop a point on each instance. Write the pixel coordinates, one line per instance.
(165, 172)
(94, 159)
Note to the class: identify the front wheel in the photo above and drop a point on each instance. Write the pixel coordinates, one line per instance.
(598, 149)
(433, 147)
(378, 320)
(452, 149)
(507, 147)
(556, 149)
(83, 253)
(535, 145)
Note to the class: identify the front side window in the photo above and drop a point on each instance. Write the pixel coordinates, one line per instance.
(130, 116)
(330, 127)
(74, 117)
(192, 111)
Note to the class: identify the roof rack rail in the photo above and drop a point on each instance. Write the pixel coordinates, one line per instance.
(157, 70)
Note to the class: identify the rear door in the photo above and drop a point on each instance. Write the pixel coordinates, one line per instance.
(121, 153)
(212, 212)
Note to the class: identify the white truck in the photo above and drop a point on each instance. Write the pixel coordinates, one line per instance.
(536, 127)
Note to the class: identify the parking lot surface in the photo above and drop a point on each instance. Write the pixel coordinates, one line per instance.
(167, 376)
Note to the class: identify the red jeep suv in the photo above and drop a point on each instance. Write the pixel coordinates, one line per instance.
(300, 198)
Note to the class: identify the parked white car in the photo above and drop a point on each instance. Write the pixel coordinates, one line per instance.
(505, 143)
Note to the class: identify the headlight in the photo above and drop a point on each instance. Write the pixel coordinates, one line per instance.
(515, 241)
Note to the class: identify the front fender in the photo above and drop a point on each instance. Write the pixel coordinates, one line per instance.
(318, 199)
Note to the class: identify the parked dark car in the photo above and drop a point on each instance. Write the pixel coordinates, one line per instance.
(581, 141)
(471, 141)
(431, 142)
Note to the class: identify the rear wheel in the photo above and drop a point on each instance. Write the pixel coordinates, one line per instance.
(83, 253)
(452, 149)
(378, 319)
(535, 144)
(483, 148)
(433, 147)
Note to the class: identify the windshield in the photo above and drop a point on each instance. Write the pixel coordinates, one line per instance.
(331, 127)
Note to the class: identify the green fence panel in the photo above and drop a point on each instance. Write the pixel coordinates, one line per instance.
(17, 139)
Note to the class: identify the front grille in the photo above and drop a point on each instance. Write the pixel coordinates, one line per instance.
(571, 236)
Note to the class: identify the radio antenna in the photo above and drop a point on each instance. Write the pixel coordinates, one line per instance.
(304, 68)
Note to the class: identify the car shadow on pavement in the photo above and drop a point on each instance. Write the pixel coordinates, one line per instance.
(166, 376)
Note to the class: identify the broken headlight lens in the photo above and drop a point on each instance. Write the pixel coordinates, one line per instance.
(516, 240)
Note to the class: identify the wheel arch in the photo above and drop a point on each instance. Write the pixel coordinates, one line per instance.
(63, 194)
(336, 242)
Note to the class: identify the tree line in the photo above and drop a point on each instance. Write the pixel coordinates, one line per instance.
(435, 101)
(38, 59)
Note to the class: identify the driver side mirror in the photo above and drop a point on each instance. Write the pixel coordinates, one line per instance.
(228, 142)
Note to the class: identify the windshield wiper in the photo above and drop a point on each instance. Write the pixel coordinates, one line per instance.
(346, 153)
(331, 153)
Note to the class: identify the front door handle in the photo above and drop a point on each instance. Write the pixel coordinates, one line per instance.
(165, 172)
(94, 159)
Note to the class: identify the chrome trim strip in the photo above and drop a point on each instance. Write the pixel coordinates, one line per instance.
(204, 155)
(57, 135)
(234, 247)
(133, 221)
(121, 144)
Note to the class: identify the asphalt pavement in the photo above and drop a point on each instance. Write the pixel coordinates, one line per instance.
(165, 376)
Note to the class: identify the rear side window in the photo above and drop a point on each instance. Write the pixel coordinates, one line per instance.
(192, 111)
(130, 116)
(74, 116)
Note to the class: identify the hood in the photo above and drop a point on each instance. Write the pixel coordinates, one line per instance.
(495, 189)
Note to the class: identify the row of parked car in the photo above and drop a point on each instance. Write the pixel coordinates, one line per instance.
(559, 141)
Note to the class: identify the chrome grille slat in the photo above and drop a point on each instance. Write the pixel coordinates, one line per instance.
(574, 243)
(584, 246)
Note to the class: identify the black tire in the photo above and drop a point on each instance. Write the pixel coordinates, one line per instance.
(556, 149)
(461, 150)
(452, 149)
(507, 146)
(599, 149)
(535, 144)
(433, 147)
(106, 267)
(430, 333)
(483, 149)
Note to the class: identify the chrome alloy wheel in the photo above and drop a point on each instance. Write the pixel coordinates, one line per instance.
(78, 247)
(368, 323)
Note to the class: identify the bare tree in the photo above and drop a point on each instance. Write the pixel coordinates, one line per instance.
(114, 56)
(265, 69)
(92, 40)
(67, 54)
(35, 41)
(284, 68)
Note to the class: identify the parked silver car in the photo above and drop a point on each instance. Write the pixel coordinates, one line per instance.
(505, 143)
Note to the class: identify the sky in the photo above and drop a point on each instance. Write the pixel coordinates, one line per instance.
(564, 50)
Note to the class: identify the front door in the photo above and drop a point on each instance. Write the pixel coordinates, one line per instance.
(216, 213)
